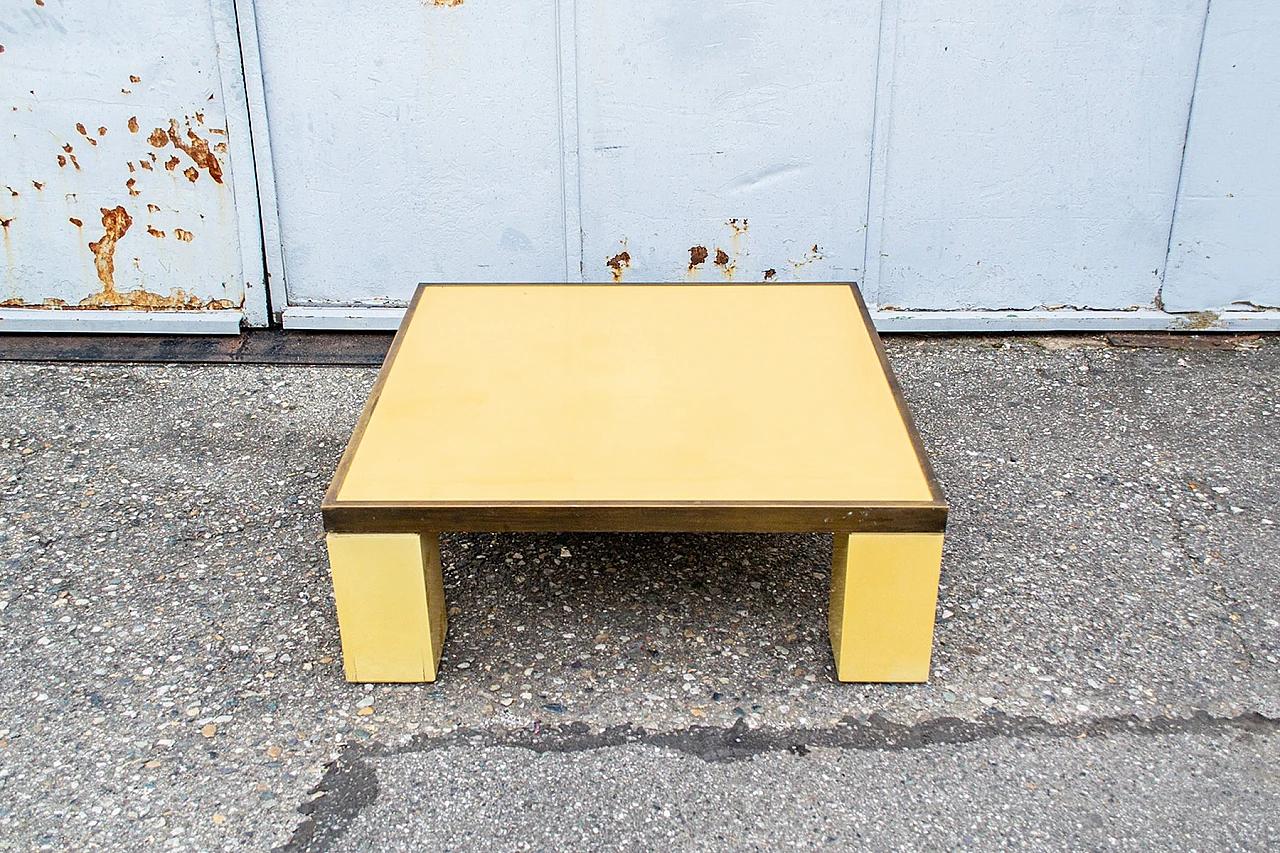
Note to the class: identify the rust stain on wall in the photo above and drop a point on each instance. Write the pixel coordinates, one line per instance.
(151, 229)
(770, 274)
(812, 256)
(192, 174)
(133, 78)
(171, 163)
(184, 236)
(76, 222)
(37, 185)
(726, 265)
(151, 208)
(447, 4)
(62, 161)
(697, 256)
(739, 226)
(158, 138)
(197, 149)
(618, 263)
(133, 124)
(130, 165)
(115, 224)
(145, 164)
(131, 186)
(4, 223)
(85, 134)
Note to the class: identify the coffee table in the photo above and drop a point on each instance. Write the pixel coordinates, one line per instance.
(608, 407)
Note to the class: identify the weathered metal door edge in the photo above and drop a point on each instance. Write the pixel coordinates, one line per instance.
(332, 318)
(240, 154)
(104, 321)
(257, 149)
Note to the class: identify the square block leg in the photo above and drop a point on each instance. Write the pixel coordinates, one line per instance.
(390, 597)
(884, 590)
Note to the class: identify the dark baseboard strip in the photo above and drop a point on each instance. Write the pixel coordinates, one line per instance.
(256, 346)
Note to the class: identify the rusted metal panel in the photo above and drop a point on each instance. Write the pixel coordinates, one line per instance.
(115, 182)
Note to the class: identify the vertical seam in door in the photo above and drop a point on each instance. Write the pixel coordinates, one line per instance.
(1182, 160)
(570, 148)
(879, 114)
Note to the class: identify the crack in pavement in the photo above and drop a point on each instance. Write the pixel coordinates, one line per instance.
(350, 783)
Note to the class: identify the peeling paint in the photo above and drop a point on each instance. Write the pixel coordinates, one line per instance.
(618, 263)
(145, 165)
(133, 78)
(158, 138)
(115, 224)
(448, 4)
(192, 173)
(171, 163)
(151, 208)
(1201, 320)
(85, 134)
(151, 229)
(197, 149)
(130, 184)
(133, 124)
(76, 222)
(38, 185)
(812, 256)
(697, 256)
(770, 274)
(184, 236)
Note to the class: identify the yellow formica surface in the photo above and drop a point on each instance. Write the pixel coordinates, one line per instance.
(562, 393)
(635, 407)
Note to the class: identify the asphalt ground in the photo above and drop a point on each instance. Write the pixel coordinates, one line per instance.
(1105, 672)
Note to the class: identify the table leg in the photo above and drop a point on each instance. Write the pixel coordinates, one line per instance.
(884, 590)
(390, 598)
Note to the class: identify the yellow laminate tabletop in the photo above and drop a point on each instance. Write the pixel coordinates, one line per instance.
(681, 394)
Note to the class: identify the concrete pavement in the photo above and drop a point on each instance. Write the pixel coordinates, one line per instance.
(1105, 670)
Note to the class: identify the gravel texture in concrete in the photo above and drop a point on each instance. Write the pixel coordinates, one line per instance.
(1105, 672)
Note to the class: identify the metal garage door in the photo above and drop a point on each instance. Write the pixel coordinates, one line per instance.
(127, 198)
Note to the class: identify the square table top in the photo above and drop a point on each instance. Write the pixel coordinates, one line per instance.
(635, 407)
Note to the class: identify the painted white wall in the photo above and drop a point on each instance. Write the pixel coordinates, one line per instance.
(1010, 162)
(1225, 247)
(740, 128)
(1031, 151)
(413, 141)
(93, 96)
